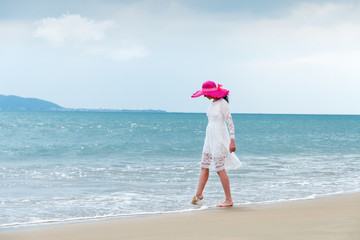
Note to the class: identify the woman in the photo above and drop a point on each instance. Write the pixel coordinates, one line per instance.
(218, 151)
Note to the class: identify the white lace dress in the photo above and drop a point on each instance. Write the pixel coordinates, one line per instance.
(216, 154)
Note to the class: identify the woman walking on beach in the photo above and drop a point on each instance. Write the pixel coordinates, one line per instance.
(218, 151)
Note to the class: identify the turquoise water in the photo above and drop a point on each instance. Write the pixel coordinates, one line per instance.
(63, 166)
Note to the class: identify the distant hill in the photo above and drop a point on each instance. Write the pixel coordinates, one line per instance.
(15, 103)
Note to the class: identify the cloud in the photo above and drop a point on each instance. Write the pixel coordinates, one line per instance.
(310, 12)
(71, 28)
(310, 34)
(90, 37)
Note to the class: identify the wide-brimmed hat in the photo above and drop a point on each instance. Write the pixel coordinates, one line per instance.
(211, 89)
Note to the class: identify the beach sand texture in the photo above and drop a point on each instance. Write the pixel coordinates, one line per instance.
(335, 217)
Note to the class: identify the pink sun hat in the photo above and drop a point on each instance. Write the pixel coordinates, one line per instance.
(211, 89)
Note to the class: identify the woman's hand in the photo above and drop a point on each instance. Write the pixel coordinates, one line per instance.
(232, 147)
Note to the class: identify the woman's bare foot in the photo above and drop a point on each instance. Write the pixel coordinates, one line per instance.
(197, 200)
(226, 203)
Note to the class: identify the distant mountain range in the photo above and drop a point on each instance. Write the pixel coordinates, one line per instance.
(15, 103)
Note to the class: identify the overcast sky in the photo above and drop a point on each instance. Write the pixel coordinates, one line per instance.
(274, 56)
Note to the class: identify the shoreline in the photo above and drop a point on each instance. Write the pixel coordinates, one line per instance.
(330, 217)
(21, 226)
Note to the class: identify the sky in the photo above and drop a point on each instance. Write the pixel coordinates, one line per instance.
(296, 57)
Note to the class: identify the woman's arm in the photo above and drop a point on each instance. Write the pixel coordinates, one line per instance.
(232, 147)
(226, 111)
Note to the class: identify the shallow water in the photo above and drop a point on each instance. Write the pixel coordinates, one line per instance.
(61, 166)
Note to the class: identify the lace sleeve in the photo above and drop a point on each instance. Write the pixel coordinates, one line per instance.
(225, 110)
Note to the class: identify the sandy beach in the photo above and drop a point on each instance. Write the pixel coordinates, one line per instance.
(335, 217)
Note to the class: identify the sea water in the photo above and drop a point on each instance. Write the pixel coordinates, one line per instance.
(66, 166)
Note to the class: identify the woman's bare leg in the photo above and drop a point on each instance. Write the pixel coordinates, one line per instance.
(204, 176)
(226, 186)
